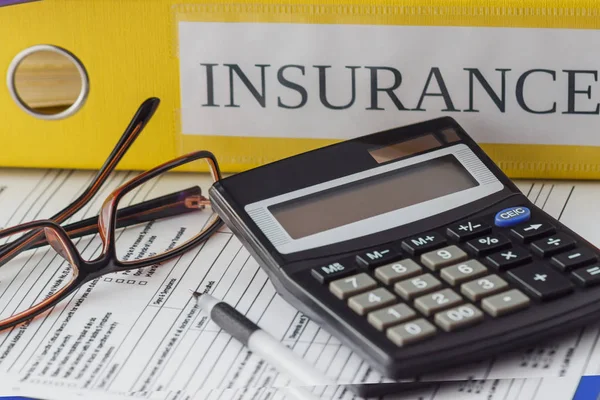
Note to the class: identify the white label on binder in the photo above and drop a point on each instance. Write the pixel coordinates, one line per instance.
(505, 85)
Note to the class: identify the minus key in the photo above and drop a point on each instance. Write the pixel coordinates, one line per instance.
(573, 259)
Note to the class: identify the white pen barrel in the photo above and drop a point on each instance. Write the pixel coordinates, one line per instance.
(285, 360)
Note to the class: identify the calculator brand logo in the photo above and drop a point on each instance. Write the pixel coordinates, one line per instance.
(293, 79)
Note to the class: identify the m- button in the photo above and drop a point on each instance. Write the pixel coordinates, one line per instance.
(376, 257)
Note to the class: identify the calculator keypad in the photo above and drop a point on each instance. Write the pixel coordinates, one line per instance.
(371, 300)
(573, 259)
(508, 258)
(467, 229)
(552, 245)
(459, 317)
(376, 257)
(394, 272)
(504, 303)
(351, 285)
(437, 259)
(411, 332)
(487, 244)
(463, 272)
(482, 287)
(455, 278)
(532, 230)
(420, 244)
(542, 281)
(587, 276)
(336, 270)
(419, 285)
(434, 302)
(393, 315)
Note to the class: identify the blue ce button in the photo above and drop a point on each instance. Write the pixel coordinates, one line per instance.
(512, 216)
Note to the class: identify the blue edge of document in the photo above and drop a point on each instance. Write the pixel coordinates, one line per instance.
(588, 389)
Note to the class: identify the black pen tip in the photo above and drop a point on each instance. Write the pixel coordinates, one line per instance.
(196, 294)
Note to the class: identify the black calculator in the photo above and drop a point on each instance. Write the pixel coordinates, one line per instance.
(413, 248)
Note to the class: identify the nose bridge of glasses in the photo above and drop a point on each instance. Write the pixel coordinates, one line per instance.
(57, 244)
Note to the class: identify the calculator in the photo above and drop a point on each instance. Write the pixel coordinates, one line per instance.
(413, 248)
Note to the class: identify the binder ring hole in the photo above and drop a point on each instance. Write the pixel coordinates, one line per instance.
(48, 82)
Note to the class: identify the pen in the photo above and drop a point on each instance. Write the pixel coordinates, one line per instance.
(263, 344)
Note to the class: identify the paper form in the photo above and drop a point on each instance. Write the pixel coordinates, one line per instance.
(141, 335)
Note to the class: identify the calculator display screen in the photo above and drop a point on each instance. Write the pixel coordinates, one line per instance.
(373, 196)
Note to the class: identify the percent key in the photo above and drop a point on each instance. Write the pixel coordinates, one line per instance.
(487, 244)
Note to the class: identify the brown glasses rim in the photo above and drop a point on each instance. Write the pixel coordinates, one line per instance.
(137, 123)
(107, 216)
(74, 260)
(108, 262)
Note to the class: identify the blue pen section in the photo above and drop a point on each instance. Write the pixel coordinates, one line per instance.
(15, 398)
(588, 389)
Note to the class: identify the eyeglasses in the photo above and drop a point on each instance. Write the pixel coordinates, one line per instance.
(151, 232)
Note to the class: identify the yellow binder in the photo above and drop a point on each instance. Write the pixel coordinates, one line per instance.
(257, 81)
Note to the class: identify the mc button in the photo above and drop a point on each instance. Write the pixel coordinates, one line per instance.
(512, 216)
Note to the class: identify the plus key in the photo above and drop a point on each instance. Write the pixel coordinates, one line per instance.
(541, 281)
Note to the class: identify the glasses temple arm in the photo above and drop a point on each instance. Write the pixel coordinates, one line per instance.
(135, 127)
(137, 123)
(170, 205)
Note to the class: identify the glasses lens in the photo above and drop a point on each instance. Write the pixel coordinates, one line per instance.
(164, 213)
(29, 278)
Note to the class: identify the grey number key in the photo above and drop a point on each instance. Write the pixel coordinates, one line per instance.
(396, 271)
(411, 332)
(346, 287)
(416, 286)
(462, 272)
(505, 303)
(434, 302)
(483, 287)
(437, 259)
(372, 300)
(386, 317)
(458, 317)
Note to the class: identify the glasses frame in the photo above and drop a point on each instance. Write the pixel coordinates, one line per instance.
(50, 232)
